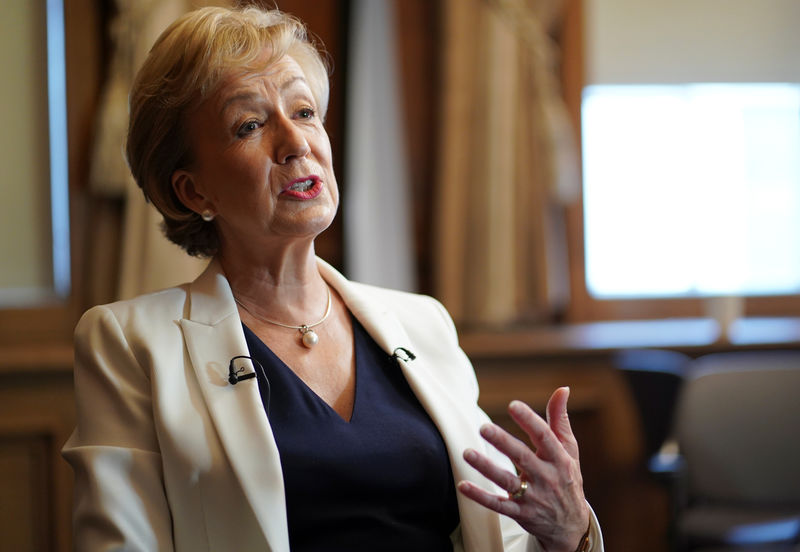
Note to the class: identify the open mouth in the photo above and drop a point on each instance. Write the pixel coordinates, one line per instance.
(302, 185)
(307, 187)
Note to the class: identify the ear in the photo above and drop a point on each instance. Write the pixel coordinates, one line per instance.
(184, 186)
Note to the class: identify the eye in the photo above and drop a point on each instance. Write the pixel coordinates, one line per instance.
(306, 113)
(248, 127)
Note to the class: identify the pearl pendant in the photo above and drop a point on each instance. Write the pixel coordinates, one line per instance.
(310, 338)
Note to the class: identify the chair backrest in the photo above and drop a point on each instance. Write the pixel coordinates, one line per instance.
(738, 426)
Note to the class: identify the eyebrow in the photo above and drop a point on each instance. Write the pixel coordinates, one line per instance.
(254, 96)
(291, 81)
(242, 97)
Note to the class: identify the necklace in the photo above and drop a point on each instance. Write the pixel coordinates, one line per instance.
(308, 336)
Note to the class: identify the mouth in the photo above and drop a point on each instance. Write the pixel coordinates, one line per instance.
(306, 187)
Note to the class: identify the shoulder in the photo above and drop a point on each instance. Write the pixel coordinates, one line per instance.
(432, 335)
(125, 339)
(408, 306)
(424, 318)
(150, 310)
(396, 297)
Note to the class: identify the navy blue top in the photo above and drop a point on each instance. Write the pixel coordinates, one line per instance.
(381, 481)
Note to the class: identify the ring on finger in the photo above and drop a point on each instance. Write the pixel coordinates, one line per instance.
(520, 492)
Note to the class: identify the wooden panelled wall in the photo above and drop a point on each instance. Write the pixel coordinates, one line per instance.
(36, 410)
(36, 417)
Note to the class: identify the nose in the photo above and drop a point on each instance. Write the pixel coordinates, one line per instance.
(290, 142)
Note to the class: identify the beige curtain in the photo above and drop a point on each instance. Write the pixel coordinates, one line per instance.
(148, 260)
(509, 164)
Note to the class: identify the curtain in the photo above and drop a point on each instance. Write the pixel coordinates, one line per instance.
(377, 218)
(509, 165)
(148, 260)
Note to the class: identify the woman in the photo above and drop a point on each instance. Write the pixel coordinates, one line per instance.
(272, 403)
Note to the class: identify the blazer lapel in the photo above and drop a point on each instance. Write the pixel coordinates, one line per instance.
(213, 335)
(480, 527)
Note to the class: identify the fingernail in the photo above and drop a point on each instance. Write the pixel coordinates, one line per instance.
(515, 407)
(487, 430)
(470, 455)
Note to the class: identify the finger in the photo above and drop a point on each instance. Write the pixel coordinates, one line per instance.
(548, 447)
(518, 452)
(501, 477)
(558, 420)
(500, 504)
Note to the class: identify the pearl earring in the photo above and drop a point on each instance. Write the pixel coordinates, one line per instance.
(207, 215)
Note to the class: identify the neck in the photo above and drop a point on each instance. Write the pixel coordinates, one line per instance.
(284, 285)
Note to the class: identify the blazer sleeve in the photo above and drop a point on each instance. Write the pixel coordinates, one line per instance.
(515, 538)
(119, 498)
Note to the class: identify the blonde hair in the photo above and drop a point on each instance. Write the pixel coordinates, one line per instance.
(185, 66)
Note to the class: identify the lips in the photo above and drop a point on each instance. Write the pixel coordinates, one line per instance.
(305, 187)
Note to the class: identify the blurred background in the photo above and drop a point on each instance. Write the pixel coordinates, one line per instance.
(605, 194)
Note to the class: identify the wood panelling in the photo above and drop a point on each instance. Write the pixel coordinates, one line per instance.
(36, 417)
(24, 514)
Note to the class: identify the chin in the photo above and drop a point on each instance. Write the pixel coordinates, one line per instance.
(311, 225)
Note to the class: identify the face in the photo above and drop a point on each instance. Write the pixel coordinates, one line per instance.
(262, 159)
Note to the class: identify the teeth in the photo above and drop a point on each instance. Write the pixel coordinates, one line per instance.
(302, 186)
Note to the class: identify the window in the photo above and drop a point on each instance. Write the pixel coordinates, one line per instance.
(34, 241)
(654, 245)
(691, 189)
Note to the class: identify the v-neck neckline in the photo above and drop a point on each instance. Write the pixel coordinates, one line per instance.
(306, 388)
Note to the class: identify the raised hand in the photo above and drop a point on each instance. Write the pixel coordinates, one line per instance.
(546, 496)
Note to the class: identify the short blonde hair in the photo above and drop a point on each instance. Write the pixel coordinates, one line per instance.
(185, 66)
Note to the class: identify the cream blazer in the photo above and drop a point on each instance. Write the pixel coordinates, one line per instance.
(169, 456)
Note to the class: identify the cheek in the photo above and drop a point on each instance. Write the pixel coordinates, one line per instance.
(230, 184)
(242, 166)
(322, 147)
(327, 163)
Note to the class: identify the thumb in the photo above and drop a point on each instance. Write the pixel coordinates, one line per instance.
(558, 420)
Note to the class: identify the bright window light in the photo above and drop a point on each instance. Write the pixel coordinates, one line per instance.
(691, 190)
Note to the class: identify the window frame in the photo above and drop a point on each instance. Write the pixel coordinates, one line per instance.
(51, 323)
(583, 307)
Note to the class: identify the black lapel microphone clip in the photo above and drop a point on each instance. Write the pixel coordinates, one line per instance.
(401, 353)
(233, 378)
